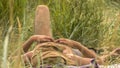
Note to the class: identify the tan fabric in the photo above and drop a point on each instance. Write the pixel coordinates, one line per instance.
(51, 53)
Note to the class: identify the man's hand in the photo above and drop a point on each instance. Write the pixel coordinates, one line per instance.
(68, 42)
(41, 38)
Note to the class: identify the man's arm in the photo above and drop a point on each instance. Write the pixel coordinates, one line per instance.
(84, 50)
(28, 43)
(88, 53)
(74, 44)
(36, 38)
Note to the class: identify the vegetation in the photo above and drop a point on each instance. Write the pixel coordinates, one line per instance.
(94, 23)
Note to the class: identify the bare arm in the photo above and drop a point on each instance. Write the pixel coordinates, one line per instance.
(27, 44)
(36, 38)
(84, 50)
(88, 53)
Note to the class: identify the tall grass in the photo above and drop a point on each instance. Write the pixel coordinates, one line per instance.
(78, 20)
(94, 23)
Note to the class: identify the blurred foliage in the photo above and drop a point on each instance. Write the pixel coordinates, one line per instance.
(79, 20)
(94, 23)
(113, 3)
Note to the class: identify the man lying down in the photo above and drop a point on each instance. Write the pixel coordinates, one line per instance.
(50, 51)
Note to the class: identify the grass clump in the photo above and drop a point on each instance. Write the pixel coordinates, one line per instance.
(94, 23)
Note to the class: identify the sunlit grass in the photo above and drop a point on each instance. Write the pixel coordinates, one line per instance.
(93, 23)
